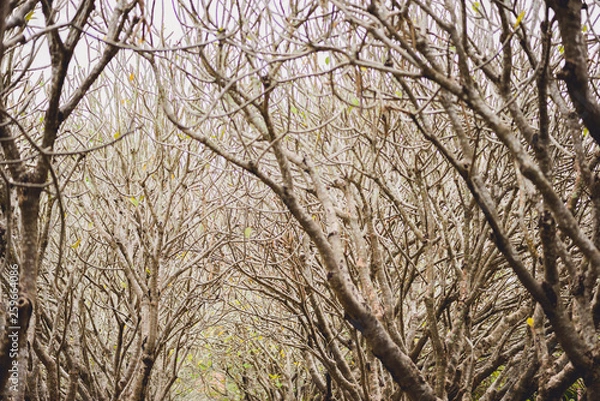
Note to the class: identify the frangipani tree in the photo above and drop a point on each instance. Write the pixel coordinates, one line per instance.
(454, 119)
(40, 88)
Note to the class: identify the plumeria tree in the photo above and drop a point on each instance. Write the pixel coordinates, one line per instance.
(304, 200)
(41, 88)
(433, 154)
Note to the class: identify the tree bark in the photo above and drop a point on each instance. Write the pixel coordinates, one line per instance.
(11, 351)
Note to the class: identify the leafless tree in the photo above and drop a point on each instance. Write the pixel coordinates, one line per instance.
(444, 125)
(306, 200)
(140, 278)
(41, 41)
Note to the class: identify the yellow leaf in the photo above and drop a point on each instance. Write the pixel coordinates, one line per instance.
(76, 244)
(117, 135)
(519, 19)
(131, 76)
(530, 321)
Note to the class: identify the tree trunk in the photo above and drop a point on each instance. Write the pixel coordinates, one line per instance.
(12, 359)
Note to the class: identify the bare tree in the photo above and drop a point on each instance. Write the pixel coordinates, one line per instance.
(319, 200)
(451, 115)
(37, 97)
(140, 278)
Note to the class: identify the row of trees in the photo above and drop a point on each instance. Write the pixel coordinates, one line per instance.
(301, 200)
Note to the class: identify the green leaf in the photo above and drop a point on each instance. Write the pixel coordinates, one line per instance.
(204, 366)
(134, 201)
(327, 60)
(475, 6)
(248, 232)
(294, 110)
(561, 49)
(29, 16)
